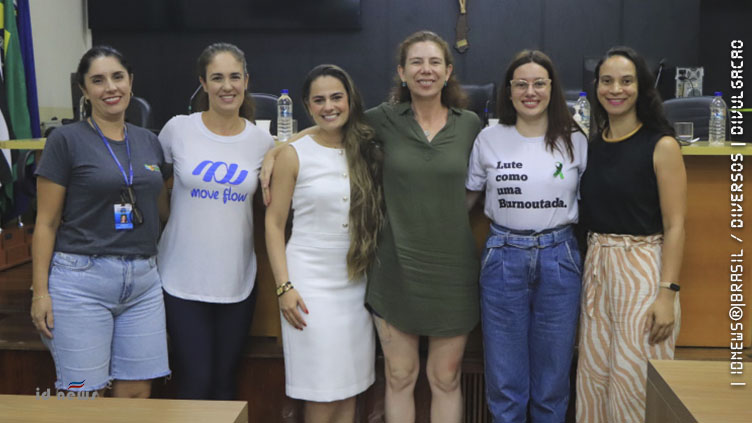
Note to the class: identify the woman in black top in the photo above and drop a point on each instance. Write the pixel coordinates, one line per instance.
(633, 203)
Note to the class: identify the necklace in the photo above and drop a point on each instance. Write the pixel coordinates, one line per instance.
(608, 138)
(426, 132)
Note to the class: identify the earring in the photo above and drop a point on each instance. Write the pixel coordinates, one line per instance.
(132, 94)
(445, 83)
(83, 103)
(404, 84)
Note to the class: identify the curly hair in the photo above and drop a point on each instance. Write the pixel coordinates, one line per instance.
(649, 104)
(561, 125)
(452, 94)
(364, 160)
(248, 108)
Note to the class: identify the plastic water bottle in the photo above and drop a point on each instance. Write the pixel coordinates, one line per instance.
(717, 127)
(582, 112)
(284, 116)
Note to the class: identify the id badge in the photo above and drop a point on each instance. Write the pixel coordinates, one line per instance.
(123, 217)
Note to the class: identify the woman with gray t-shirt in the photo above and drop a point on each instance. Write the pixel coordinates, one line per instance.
(97, 295)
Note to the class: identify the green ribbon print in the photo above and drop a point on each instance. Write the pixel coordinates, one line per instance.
(558, 172)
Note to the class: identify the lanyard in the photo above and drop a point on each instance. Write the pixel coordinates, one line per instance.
(128, 179)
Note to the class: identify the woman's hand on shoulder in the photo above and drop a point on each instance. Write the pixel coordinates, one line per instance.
(291, 304)
(267, 166)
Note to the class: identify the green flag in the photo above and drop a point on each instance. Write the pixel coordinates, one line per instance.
(13, 73)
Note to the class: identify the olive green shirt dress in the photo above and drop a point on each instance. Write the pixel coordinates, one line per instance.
(424, 280)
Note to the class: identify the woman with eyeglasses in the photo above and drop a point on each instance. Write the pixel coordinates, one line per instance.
(97, 296)
(206, 254)
(634, 205)
(530, 166)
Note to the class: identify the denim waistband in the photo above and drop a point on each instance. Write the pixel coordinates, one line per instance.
(500, 236)
(129, 257)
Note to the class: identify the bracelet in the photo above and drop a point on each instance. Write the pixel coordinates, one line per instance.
(284, 288)
(670, 285)
(39, 297)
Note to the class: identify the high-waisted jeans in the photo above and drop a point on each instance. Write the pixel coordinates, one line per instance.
(530, 294)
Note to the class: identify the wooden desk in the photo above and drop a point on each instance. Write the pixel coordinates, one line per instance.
(27, 408)
(705, 294)
(697, 391)
(28, 144)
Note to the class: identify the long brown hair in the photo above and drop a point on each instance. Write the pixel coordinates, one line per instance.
(452, 94)
(248, 108)
(364, 161)
(561, 125)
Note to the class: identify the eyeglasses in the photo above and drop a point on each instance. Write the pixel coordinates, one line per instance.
(128, 195)
(522, 85)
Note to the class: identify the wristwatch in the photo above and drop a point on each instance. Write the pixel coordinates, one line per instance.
(670, 285)
(284, 288)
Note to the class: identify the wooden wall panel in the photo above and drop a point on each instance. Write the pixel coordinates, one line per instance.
(705, 294)
(164, 62)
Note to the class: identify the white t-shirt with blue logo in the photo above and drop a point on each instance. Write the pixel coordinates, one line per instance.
(527, 186)
(206, 250)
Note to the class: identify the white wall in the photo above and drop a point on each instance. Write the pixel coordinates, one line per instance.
(61, 37)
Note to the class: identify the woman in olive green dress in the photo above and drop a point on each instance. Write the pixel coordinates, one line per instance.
(424, 281)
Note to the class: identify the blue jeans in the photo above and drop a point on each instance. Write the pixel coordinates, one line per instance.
(530, 296)
(109, 320)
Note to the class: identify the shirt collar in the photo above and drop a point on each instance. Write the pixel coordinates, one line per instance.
(404, 108)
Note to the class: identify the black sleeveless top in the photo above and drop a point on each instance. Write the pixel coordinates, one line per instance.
(619, 190)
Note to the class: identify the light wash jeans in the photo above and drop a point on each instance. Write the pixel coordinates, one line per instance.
(109, 320)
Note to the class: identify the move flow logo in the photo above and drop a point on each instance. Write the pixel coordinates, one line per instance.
(227, 172)
(221, 173)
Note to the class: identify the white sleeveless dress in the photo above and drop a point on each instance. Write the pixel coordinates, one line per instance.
(332, 358)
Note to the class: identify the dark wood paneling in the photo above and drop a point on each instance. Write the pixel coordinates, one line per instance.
(674, 36)
(164, 62)
(24, 371)
(574, 29)
(498, 29)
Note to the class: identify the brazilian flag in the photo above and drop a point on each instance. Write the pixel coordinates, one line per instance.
(15, 89)
(15, 79)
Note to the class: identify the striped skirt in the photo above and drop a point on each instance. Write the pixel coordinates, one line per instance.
(620, 283)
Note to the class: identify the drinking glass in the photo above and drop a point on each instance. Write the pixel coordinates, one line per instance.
(684, 132)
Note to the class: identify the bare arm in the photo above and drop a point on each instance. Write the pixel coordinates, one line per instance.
(163, 201)
(267, 166)
(471, 197)
(284, 177)
(50, 201)
(672, 191)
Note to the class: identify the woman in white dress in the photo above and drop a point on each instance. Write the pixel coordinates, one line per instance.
(330, 177)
